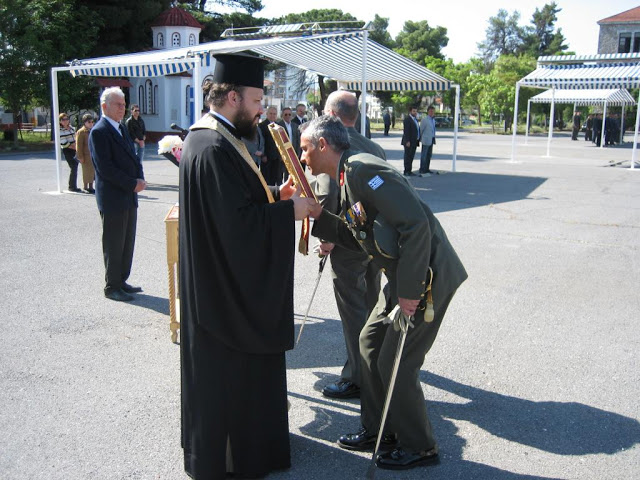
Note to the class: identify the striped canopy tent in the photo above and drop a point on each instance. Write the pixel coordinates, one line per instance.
(606, 97)
(350, 57)
(581, 72)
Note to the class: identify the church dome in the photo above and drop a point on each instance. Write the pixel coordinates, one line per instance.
(176, 17)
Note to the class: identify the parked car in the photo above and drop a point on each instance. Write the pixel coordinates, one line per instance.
(442, 122)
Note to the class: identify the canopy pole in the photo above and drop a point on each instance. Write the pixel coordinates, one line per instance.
(515, 123)
(455, 129)
(526, 132)
(56, 124)
(197, 85)
(363, 108)
(635, 135)
(552, 115)
(622, 123)
(604, 124)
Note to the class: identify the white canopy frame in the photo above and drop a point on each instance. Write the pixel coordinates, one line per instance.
(351, 58)
(569, 72)
(606, 97)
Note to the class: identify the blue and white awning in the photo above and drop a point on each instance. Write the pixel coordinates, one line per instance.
(334, 55)
(616, 97)
(585, 75)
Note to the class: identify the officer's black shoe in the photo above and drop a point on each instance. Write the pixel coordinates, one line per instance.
(341, 389)
(400, 459)
(363, 440)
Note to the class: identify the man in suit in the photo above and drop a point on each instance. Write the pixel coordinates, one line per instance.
(356, 280)
(119, 178)
(577, 123)
(410, 140)
(386, 118)
(292, 130)
(301, 114)
(382, 214)
(271, 165)
(428, 139)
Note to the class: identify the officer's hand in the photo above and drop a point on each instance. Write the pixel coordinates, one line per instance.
(408, 306)
(326, 248)
(316, 211)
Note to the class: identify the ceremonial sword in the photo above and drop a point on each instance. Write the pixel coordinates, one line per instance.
(323, 260)
(404, 326)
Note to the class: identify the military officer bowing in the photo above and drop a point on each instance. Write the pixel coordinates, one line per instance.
(382, 214)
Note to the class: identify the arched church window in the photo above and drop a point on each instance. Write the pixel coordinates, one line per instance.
(155, 100)
(148, 103)
(192, 39)
(143, 105)
(175, 39)
(160, 40)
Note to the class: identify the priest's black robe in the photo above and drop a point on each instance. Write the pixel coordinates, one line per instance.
(236, 312)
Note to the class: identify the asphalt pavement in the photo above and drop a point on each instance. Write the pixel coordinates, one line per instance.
(534, 374)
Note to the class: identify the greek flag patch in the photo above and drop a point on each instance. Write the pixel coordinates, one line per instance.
(375, 182)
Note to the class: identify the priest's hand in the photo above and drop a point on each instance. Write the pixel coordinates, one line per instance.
(302, 205)
(287, 190)
(140, 185)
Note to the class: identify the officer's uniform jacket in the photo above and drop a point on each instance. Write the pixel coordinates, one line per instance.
(400, 232)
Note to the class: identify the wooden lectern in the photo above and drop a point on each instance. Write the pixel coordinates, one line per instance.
(171, 224)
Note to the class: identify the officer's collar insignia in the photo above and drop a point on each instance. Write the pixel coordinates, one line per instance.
(375, 182)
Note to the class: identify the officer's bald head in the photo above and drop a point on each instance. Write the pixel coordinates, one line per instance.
(343, 105)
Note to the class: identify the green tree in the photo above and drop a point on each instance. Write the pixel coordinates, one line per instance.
(34, 36)
(503, 37)
(379, 31)
(122, 26)
(541, 38)
(418, 41)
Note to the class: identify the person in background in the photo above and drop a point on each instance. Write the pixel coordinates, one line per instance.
(255, 146)
(119, 178)
(356, 280)
(84, 154)
(428, 139)
(68, 146)
(301, 114)
(410, 140)
(292, 131)
(386, 118)
(137, 131)
(588, 132)
(270, 166)
(577, 123)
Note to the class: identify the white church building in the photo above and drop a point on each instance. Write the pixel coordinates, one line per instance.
(169, 99)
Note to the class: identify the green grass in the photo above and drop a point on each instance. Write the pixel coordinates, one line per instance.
(28, 142)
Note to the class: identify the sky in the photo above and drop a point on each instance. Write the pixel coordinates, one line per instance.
(466, 20)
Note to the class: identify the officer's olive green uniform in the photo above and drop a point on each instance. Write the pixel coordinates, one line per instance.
(405, 238)
(356, 280)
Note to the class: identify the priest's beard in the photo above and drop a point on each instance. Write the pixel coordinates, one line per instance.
(245, 123)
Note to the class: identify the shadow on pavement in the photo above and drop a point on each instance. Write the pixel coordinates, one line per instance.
(445, 192)
(562, 428)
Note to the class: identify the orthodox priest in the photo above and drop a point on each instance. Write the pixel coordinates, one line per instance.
(236, 287)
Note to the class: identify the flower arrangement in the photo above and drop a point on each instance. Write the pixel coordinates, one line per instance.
(171, 147)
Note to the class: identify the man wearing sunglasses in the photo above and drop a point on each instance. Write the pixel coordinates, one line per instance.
(137, 130)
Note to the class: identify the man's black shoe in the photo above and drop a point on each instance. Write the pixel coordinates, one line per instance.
(129, 289)
(400, 459)
(118, 296)
(363, 441)
(411, 174)
(75, 190)
(341, 389)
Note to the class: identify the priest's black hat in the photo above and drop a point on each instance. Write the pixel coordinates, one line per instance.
(241, 70)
